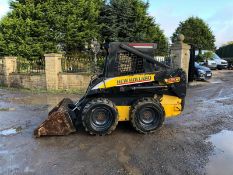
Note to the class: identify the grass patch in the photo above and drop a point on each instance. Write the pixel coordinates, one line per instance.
(7, 109)
(4, 109)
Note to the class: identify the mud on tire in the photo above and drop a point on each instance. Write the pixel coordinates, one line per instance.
(100, 116)
(147, 115)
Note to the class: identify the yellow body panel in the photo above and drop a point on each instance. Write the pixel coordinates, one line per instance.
(124, 112)
(171, 104)
(127, 80)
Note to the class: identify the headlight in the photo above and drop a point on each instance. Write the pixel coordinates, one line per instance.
(201, 71)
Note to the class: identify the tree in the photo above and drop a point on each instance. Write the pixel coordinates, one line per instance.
(226, 51)
(123, 20)
(196, 32)
(25, 31)
(154, 34)
(228, 43)
(128, 21)
(35, 27)
(74, 22)
(204, 57)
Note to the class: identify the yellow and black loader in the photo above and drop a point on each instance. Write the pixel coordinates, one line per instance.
(133, 87)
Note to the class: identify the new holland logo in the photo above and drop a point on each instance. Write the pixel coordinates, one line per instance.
(134, 80)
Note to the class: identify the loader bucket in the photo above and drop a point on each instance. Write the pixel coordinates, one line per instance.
(60, 121)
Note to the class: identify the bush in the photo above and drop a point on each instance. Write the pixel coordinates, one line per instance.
(225, 51)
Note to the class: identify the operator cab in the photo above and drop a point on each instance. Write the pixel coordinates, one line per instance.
(120, 62)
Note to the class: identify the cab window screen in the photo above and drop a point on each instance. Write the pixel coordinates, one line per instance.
(128, 63)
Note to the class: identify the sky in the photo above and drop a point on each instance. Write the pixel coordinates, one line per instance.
(4, 7)
(168, 13)
(218, 14)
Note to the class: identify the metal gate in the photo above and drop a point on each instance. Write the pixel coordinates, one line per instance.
(192, 64)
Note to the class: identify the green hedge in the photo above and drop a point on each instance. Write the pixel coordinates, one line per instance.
(225, 51)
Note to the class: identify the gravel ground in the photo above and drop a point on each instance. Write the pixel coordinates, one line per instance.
(181, 146)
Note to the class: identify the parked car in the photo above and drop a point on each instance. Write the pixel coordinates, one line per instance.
(202, 72)
(230, 63)
(221, 63)
(210, 64)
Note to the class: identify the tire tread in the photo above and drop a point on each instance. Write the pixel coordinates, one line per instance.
(134, 109)
(102, 101)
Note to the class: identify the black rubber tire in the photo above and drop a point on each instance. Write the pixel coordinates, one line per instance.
(106, 110)
(183, 103)
(154, 108)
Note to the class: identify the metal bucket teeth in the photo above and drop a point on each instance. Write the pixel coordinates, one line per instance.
(59, 121)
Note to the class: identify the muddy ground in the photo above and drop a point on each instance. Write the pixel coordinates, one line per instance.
(181, 146)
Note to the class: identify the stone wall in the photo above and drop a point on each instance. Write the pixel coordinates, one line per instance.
(53, 79)
(180, 52)
(27, 81)
(52, 70)
(66, 81)
(2, 79)
(73, 81)
(9, 65)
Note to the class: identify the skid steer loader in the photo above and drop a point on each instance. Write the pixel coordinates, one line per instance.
(133, 87)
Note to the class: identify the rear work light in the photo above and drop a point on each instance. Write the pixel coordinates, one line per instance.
(172, 80)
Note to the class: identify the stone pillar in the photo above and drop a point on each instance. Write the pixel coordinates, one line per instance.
(9, 66)
(52, 69)
(180, 53)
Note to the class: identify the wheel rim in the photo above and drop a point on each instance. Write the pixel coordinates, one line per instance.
(101, 118)
(148, 118)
